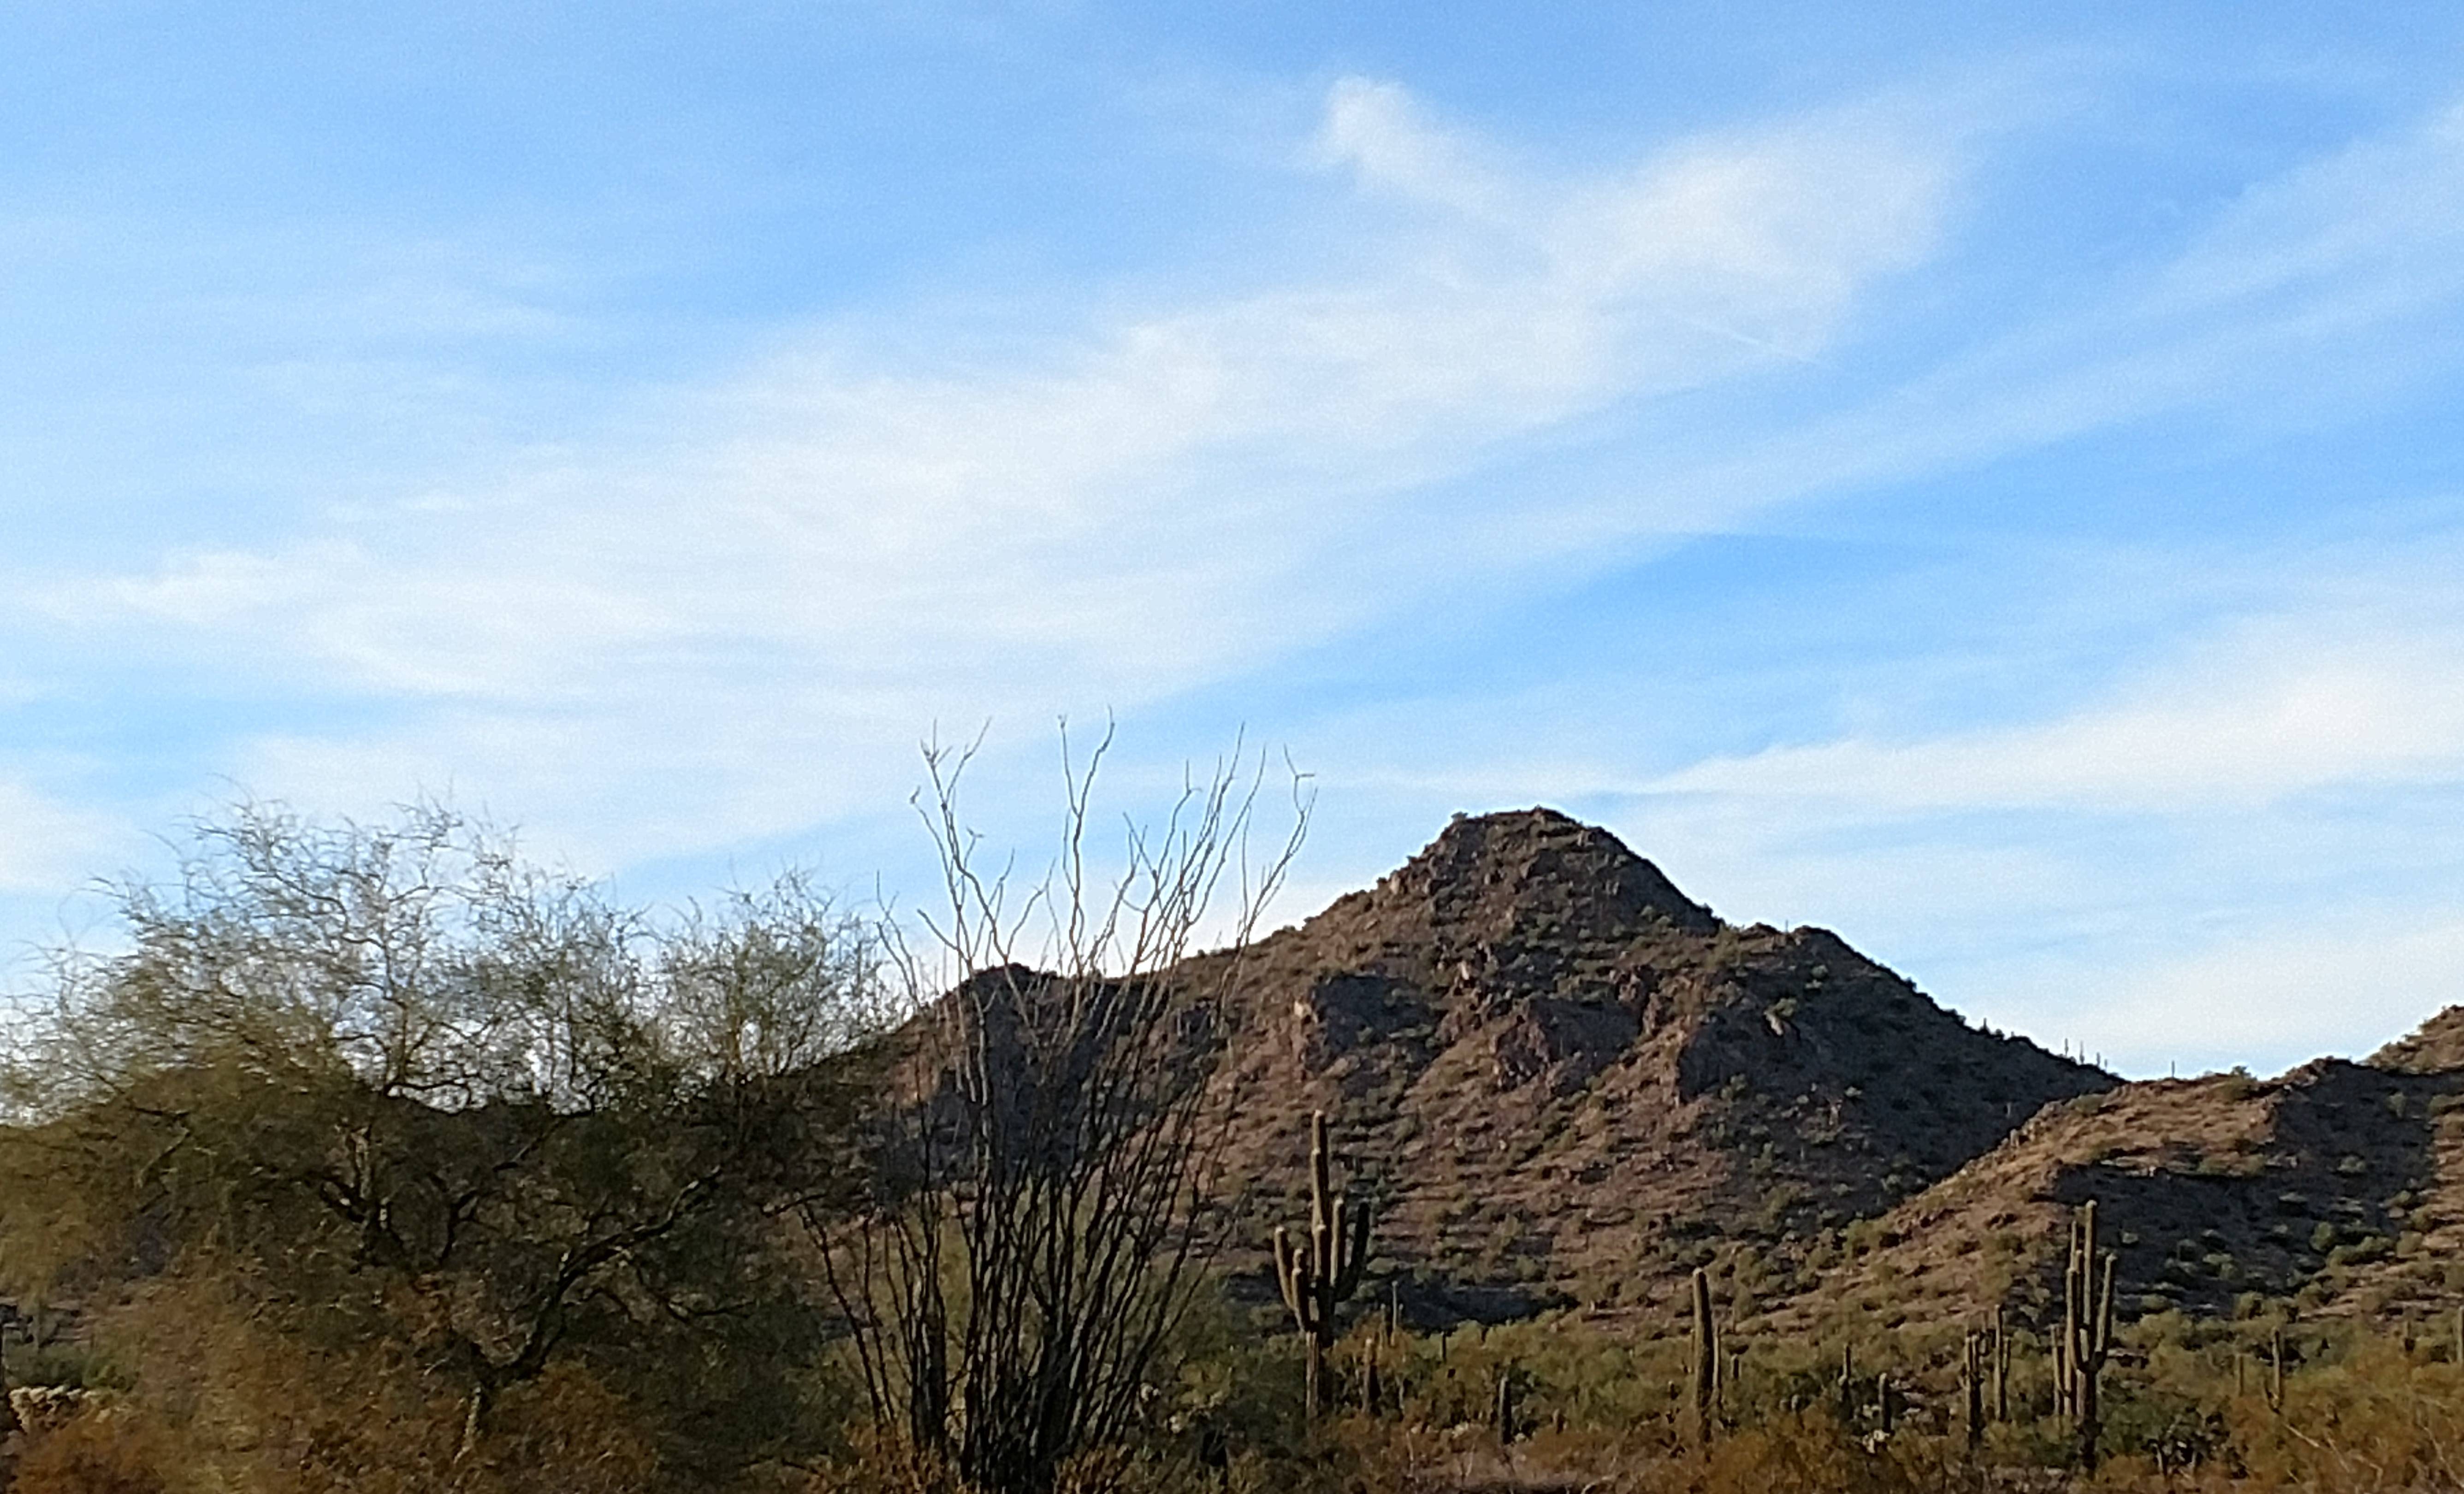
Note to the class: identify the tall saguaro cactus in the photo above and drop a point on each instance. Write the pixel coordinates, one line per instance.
(1974, 1366)
(1317, 1274)
(1707, 1358)
(2001, 1367)
(2087, 1332)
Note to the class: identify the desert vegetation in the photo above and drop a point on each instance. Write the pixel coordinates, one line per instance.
(373, 1157)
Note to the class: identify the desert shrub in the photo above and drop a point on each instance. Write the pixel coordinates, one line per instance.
(464, 1131)
(1598, 1403)
(96, 1453)
(230, 1401)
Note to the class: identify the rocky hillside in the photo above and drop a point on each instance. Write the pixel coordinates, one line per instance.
(2339, 1187)
(1566, 1082)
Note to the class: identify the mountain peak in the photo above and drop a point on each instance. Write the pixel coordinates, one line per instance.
(1527, 871)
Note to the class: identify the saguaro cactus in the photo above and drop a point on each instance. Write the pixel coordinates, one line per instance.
(2275, 1370)
(2087, 1332)
(1706, 1357)
(2002, 1367)
(1319, 1273)
(1974, 1367)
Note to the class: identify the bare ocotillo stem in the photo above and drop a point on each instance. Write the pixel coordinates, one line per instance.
(1318, 1274)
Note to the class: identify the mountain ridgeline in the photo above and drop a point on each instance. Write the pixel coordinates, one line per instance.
(1566, 1084)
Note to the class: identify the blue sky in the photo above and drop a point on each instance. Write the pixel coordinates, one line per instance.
(1984, 479)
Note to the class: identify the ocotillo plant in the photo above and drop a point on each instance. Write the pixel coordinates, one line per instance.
(1318, 1274)
(1706, 1357)
(2086, 1331)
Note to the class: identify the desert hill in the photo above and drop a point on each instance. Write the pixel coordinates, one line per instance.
(2333, 1191)
(1567, 1083)
(2435, 1046)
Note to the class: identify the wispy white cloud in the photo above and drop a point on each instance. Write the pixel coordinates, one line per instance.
(1377, 129)
(735, 620)
(2210, 862)
(834, 546)
(2274, 711)
(2308, 297)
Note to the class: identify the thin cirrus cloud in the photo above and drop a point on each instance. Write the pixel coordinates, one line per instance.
(2306, 296)
(829, 549)
(2242, 723)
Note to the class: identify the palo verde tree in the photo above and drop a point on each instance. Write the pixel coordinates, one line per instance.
(1040, 1225)
(397, 1086)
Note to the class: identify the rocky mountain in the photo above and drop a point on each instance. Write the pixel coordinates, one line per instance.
(2337, 1188)
(1565, 1081)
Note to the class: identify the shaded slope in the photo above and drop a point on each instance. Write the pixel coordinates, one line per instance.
(2339, 1185)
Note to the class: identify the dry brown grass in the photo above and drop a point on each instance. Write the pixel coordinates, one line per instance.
(221, 1402)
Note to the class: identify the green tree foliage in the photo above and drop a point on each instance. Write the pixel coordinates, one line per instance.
(396, 1087)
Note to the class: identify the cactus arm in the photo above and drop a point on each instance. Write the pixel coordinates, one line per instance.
(2104, 1311)
(1325, 1231)
(1355, 1251)
(1292, 1275)
(1321, 1168)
